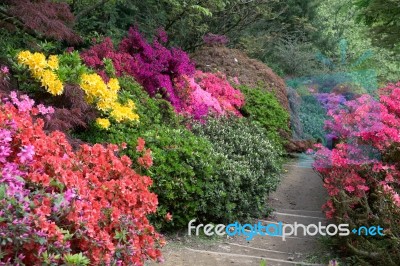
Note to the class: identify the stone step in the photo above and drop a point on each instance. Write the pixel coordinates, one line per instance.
(200, 257)
(317, 213)
(302, 245)
(291, 218)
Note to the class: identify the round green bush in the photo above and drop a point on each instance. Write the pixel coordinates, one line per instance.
(249, 168)
(263, 107)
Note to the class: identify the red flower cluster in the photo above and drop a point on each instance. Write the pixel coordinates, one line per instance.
(109, 201)
(145, 160)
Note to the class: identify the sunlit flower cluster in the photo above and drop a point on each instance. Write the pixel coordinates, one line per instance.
(43, 70)
(105, 97)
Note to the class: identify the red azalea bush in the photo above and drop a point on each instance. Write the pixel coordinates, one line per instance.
(94, 58)
(56, 203)
(168, 72)
(362, 173)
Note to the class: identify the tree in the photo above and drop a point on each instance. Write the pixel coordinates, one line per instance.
(383, 19)
(41, 18)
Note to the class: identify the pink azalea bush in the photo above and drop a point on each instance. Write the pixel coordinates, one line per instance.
(217, 85)
(362, 173)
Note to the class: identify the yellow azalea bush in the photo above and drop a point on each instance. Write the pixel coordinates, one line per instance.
(43, 70)
(105, 97)
(98, 93)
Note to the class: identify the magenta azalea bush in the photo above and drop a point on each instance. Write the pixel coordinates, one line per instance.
(362, 172)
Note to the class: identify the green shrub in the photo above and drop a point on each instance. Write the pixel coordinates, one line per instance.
(312, 117)
(249, 168)
(263, 107)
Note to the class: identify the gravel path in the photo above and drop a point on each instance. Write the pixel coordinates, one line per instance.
(298, 199)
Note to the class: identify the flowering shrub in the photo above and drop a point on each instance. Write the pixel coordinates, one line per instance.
(167, 72)
(4, 71)
(208, 93)
(362, 172)
(199, 103)
(59, 206)
(103, 95)
(182, 162)
(330, 101)
(94, 58)
(156, 66)
(185, 165)
(4, 78)
(43, 70)
(217, 85)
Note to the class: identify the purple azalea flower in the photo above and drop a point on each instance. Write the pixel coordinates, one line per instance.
(27, 153)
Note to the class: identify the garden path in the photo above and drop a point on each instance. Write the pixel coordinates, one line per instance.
(298, 198)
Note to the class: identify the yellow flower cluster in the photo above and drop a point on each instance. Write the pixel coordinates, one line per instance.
(105, 97)
(103, 123)
(43, 70)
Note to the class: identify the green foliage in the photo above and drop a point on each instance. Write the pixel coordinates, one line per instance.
(249, 166)
(296, 58)
(312, 117)
(382, 18)
(263, 107)
(188, 21)
(184, 20)
(71, 68)
(76, 260)
(11, 42)
(283, 37)
(183, 174)
(338, 20)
